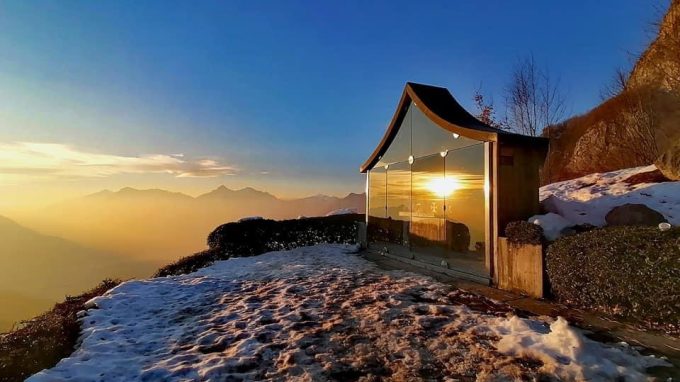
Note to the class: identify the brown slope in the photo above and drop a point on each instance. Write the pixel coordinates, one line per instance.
(634, 127)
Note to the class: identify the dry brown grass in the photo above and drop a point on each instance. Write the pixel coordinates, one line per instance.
(624, 131)
(41, 342)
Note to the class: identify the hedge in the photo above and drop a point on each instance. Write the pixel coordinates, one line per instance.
(523, 232)
(630, 272)
(254, 237)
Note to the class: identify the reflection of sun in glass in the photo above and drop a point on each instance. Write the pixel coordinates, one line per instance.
(443, 187)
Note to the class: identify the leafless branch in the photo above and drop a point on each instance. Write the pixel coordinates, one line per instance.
(533, 99)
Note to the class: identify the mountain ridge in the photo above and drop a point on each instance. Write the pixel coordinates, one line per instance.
(28, 261)
(221, 191)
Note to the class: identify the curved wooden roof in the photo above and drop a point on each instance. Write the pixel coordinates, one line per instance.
(441, 108)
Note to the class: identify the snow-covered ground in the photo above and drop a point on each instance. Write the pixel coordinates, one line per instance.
(324, 313)
(588, 199)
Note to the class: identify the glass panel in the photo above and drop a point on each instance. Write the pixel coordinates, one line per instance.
(377, 207)
(377, 186)
(399, 201)
(399, 191)
(428, 188)
(466, 208)
(400, 148)
(429, 138)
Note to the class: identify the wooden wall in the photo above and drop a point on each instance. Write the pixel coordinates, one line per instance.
(520, 268)
(517, 183)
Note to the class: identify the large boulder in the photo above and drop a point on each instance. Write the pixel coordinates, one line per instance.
(551, 204)
(633, 215)
(669, 162)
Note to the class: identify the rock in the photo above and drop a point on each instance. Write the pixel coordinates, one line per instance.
(659, 65)
(550, 204)
(655, 176)
(634, 214)
(669, 162)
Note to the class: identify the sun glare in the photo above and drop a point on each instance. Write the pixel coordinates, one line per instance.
(443, 187)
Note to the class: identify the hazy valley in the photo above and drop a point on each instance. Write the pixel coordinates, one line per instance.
(71, 246)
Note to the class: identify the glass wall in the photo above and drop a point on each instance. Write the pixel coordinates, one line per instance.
(400, 148)
(428, 138)
(377, 204)
(399, 201)
(427, 196)
(465, 201)
(466, 207)
(427, 226)
(377, 184)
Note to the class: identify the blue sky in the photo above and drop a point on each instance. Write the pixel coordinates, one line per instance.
(289, 96)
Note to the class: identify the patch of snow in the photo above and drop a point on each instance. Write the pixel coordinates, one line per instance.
(322, 313)
(588, 199)
(566, 352)
(342, 211)
(552, 224)
(250, 218)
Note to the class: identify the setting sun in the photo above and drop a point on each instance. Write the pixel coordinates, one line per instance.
(443, 187)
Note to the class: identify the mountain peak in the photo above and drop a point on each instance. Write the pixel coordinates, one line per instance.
(130, 192)
(224, 192)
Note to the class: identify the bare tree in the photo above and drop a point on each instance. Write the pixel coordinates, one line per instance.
(636, 131)
(486, 111)
(533, 99)
(616, 85)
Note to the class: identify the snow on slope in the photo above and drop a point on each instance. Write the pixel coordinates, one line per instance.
(342, 211)
(589, 198)
(320, 313)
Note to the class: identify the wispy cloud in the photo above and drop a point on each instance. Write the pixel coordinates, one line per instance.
(50, 160)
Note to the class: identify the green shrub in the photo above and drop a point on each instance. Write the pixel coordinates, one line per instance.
(255, 237)
(41, 342)
(191, 263)
(522, 232)
(630, 272)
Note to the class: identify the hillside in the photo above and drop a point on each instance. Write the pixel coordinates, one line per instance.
(159, 226)
(37, 270)
(632, 128)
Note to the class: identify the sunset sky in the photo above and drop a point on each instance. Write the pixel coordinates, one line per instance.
(289, 97)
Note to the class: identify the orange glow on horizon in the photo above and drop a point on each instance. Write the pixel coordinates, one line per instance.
(443, 187)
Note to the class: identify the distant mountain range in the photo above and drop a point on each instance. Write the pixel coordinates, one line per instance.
(231, 204)
(160, 225)
(71, 246)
